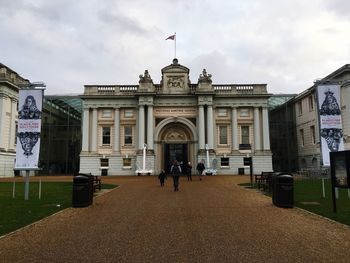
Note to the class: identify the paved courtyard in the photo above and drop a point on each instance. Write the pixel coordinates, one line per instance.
(213, 220)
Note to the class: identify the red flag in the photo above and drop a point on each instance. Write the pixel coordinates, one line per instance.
(172, 37)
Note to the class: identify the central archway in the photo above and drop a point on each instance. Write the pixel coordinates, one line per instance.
(175, 138)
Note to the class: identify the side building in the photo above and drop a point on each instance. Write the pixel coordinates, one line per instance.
(10, 82)
(295, 126)
(307, 119)
(216, 124)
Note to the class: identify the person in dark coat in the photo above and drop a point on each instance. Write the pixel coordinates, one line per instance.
(162, 177)
(189, 171)
(200, 169)
(175, 171)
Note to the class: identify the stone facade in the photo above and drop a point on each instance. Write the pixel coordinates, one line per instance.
(307, 120)
(176, 119)
(9, 86)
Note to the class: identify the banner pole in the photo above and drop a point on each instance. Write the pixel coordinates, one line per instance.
(323, 189)
(40, 189)
(26, 188)
(14, 188)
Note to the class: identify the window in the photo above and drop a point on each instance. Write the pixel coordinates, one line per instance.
(128, 135)
(223, 134)
(302, 137)
(225, 162)
(245, 134)
(106, 113)
(222, 112)
(244, 112)
(312, 131)
(126, 162)
(300, 108)
(104, 162)
(128, 113)
(311, 103)
(106, 135)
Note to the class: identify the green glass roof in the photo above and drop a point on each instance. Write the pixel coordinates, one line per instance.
(72, 103)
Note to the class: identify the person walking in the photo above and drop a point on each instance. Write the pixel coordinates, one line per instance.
(200, 169)
(175, 171)
(189, 171)
(162, 177)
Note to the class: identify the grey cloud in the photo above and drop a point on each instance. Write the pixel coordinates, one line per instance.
(340, 7)
(121, 22)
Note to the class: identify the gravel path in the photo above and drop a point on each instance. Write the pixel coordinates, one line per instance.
(213, 220)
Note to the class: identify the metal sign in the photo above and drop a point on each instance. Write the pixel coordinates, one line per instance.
(340, 172)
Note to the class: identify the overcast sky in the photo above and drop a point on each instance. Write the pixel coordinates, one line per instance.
(67, 44)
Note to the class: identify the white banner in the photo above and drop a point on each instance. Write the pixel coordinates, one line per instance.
(331, 128)
(29, 128)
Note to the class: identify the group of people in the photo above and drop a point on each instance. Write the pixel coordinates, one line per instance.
(176, 170)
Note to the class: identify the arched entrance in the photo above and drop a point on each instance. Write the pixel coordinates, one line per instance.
(175, 140)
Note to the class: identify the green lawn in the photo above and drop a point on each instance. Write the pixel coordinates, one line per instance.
(308, 196)
(17, 212)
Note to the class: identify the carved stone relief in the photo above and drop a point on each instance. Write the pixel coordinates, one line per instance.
(173, 135)
(176, 82)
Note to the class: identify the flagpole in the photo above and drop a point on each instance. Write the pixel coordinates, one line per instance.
(175, 45)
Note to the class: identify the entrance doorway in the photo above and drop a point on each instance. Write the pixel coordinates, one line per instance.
(175, 151)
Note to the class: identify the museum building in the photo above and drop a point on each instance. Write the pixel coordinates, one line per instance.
(130, 127)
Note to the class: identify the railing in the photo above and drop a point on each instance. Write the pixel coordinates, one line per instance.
(240, 89)
(236, 89)
(12, 77)
(110, 89)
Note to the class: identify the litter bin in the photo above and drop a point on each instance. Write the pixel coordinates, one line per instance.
(82, 191)
(241, 171)
(282, 190)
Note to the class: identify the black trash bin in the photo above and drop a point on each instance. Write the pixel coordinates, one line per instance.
(82, 191)
(283, 190)
(241, 171)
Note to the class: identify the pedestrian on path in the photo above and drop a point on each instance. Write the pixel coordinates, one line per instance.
(189, 171)
(200, 169)
(162, 177)
(175, 171)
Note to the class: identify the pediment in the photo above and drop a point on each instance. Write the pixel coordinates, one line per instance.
(175, 67)
(175, 79)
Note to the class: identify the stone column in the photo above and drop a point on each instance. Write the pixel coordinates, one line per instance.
(86, 128)
(234, 129)
(257, 130)
(116, 130)
(150, 127)
(266, 131)
(94, 131)
(2, 121)
(13, 124)
(210, 127)
(141, 121)
(201, 131)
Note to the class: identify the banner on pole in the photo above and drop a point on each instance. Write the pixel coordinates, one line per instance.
(331, 129)
(29, 128)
